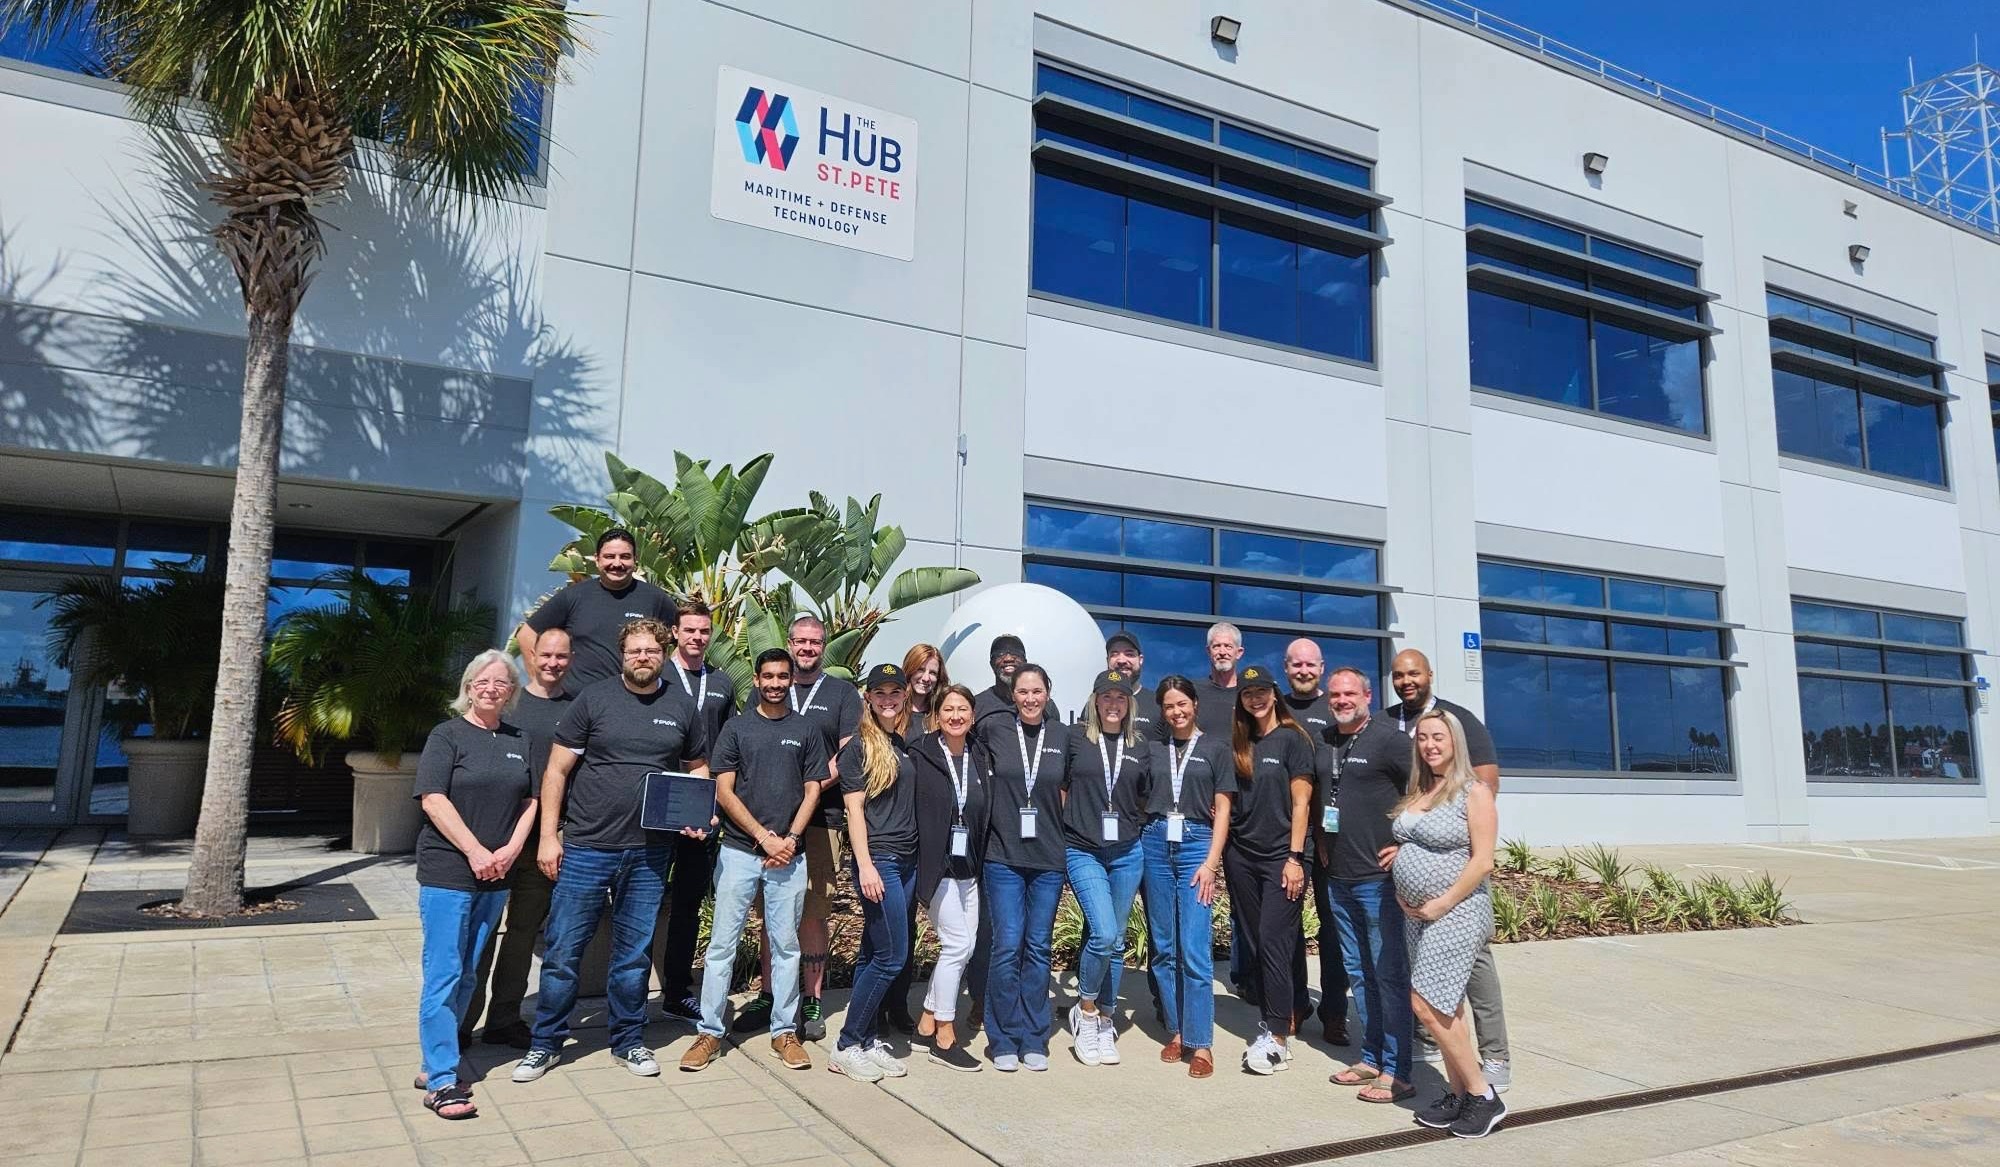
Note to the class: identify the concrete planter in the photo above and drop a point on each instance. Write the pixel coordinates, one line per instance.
(166, 780)
(386, 816)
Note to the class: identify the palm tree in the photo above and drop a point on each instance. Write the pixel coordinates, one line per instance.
(273, 95)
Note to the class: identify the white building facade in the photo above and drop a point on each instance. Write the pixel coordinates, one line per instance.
(1332, 331)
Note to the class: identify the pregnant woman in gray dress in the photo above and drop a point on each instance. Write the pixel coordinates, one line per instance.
(1446, 828)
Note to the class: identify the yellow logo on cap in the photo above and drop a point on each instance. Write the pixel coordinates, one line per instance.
(1115, 675)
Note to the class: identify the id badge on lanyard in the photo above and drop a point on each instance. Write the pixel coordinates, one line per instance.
(1176, 827)
(1027, 822)
(1329, 819)
(1177, 774)
(961, 842)
(1031, 771)
(1109, 826)
(1108, 821)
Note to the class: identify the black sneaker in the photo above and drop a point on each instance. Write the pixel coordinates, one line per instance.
(1441, 1114)
(754, 1017)
(956, 1057)
(686, 1008)
(900, 1020)
(812, 1020)
(1477, 1116)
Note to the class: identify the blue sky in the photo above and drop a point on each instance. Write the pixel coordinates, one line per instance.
(1827, 71)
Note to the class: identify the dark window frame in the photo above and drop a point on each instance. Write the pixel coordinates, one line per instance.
(1861, 377)
(1885, 679)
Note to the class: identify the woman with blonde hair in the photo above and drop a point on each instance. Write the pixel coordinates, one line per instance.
(878, 785)
(923, 665)
(1446, 826)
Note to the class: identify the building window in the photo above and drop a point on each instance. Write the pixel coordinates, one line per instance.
(1170, 212)
(1169, 579)
(1883, 695)
(1604, 674)
(1993, 399)
(1855, 392)
(1579, 320)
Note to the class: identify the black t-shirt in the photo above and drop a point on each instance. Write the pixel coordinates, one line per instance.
(592, 614)
(712, 690)
(1211, 771)
(1312, 715)
(891, 815)
(1374, 767)
(937, 810)
(999, 698)
(773, 758)
(1478, 743)
(621, 736)
(538, 717)
(1260, 819)
(1083, 778)
(1215, 710)
(1145, 714)
(484, 772)
(834, 708)
(1000, 754)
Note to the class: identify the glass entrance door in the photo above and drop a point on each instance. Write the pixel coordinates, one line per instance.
(42, 721)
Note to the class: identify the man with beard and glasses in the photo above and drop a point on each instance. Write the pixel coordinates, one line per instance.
(594, 848)
(1304, 665)
(714, 694)
(1410, 675)
(833, 707)
(593, 611)
(1006, 654)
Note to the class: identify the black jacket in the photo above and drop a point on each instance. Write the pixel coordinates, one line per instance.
(937, 809)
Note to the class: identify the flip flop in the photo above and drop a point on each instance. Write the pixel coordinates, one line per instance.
(455, 1097)
(1354, 1076)
(1385, 1095)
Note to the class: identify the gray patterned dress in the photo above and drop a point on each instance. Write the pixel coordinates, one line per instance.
(1436, 846)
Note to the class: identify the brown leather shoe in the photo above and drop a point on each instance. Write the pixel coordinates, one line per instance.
(704, 1050)
(786, 1048)
(1171, 1052)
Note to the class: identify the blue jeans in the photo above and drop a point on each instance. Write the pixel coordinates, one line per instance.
(885, 947)
(1023, 903)
(1105, 882)
(458, 925)
(1182, 929)
(1378, 967)
(739, 876)
(634, 879)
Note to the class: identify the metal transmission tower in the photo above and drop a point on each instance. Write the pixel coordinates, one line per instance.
(1951, 144)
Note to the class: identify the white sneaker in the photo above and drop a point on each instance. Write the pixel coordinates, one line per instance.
(1107, 1040)
(886, 1061)
(1499, 1074)
(1006, 1063)
(855, 1063)
(1265, 1056)
(1084, 1028)
(1035, 1062)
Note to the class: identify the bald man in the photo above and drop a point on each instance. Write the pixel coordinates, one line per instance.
(1305, 665)
(1410, 675)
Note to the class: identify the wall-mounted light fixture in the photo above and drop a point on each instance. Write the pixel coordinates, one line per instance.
(1594, 163)
(1858, 252)
(1223, 30)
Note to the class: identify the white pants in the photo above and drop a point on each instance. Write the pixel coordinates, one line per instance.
(954, 912)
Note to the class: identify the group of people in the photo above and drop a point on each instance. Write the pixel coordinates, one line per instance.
(980, 807)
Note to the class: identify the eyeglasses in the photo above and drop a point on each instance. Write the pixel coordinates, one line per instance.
(491, 686)
(643, 653)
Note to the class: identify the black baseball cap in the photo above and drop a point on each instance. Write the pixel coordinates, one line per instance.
(885, 674)
(1111, 679)
(1126, 637)
(1006, 642)
(1254, 677)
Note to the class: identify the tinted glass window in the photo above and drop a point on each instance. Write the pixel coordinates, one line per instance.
(1068, 530)
(1645, 261)
(1486, 214)
(1650, 378)
(1845, 724)
(1175, 542)
(1549, 712)
(54, 539)
(1903, 438)
(1671, 719)
(1835, 620)
(1529, 350)
(1082, 584)
(1817, 419)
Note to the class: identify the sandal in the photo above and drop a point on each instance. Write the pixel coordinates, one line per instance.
(454, 1102)
(1171, 1052)
(1354, 1075)
(1202, 1066)
(1385, 1095)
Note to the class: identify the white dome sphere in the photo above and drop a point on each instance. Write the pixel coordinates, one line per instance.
(1060, 636)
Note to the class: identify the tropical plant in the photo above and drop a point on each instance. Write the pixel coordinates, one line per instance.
(271, 96)
(1765, 899)
(1564, 867)
(1548, 906)
(1510, 919)
(1588, 913)
(371, 670)
(157, 640)
(1662, 882)
(1606, 865)
(1516, 856)
(1627, 907)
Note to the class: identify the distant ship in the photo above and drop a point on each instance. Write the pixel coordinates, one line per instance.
(28, 700)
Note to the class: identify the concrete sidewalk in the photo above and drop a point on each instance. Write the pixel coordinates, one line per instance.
(289, 1043)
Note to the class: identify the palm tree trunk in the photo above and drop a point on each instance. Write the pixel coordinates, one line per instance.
(215, 873)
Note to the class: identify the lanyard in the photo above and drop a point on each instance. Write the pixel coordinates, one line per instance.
(1340, 753)
(700, 698)
(810, 694)
(1030, 771)
(1110, 768)
(1177, 767)
(961, 773)
(1408, 726)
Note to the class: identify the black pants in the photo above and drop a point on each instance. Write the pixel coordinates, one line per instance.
(688, 883)
(1270, 933)
(1332, 967)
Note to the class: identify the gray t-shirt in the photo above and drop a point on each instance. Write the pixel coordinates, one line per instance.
(592, 614)
(1000, 753)
(773, 759)
(1083, 778)
(484, 772)
(622, 736)
(1211, 771)
(891, 815)
(833, 706)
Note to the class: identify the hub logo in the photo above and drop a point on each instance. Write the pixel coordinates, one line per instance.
(813, 165)
(766, 128)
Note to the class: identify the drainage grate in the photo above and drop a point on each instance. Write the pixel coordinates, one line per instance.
(1369, 1144)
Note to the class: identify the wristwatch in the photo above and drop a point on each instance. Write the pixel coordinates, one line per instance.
(1298, 857)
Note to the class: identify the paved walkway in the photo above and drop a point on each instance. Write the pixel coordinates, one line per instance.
(290, 1043)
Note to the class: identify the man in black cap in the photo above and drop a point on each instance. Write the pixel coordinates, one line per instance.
(1007, 655)
(1122, 654)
